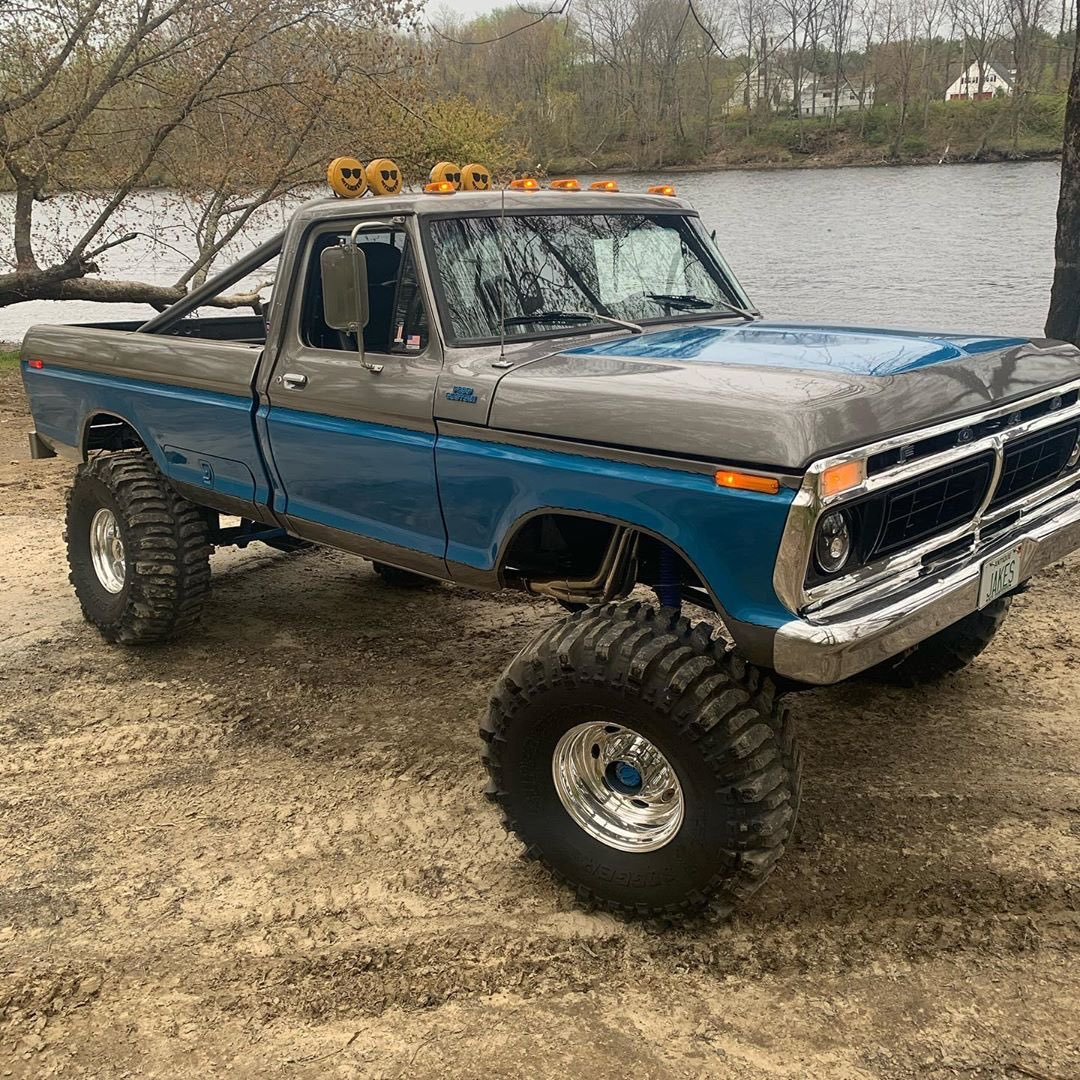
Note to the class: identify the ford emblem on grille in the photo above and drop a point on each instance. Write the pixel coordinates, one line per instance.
(965, 435)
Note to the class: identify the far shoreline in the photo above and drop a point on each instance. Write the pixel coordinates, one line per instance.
(808, 163)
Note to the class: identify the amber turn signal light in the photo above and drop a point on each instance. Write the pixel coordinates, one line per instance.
(766, 485)
(440, 187)
(525, 184)
(604, 185)
(661, 189)
(843, 477)
(565, 185)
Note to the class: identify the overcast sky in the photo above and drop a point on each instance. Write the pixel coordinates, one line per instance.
(465, 8)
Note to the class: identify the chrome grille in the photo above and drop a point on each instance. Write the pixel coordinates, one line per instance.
(932, 504)
(1034, 461)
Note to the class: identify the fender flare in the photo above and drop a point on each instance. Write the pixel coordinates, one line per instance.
(148, 444)
(754, 642)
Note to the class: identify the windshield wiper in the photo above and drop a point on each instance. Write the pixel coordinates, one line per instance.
(572, 317)
(697, 303)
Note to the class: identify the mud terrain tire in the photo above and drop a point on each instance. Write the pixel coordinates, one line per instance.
(162, 568)
(402, 579)
(718, 722)
(944, 653)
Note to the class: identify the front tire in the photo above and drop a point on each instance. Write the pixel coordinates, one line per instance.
(946, 652)
(646, 766)
(139, 553)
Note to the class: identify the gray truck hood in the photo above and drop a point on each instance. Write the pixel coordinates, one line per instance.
(771, 394)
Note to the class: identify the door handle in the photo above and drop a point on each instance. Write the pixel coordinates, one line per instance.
(294, 382)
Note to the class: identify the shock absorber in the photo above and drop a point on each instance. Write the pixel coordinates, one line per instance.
(669, 587)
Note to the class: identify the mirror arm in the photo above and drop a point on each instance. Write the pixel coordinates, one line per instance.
(354, 256)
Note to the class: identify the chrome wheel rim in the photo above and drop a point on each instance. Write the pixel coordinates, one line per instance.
(107, 551)
(618, 787)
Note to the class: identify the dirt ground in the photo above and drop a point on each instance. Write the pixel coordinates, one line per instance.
(263, 852)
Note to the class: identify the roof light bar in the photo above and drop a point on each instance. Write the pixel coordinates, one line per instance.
(604, 185)
(527, 183)
(565, 185)
(661, 189)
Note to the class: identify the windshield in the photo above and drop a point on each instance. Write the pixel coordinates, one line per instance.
(637, 267)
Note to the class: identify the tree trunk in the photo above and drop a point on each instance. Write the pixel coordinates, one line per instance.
(24, 216)
(1064, 319)
(47, 285)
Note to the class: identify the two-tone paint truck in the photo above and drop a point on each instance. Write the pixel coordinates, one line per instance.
(567, 392)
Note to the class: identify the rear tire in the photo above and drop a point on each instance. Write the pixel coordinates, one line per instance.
(944, 653)
(139, 553)
(650, 769)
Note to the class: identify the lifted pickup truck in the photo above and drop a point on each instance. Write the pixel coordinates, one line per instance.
(567, 392)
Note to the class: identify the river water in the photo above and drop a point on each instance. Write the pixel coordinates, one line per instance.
(965, 247)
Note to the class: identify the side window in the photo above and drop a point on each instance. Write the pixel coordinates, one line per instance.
(397, 321)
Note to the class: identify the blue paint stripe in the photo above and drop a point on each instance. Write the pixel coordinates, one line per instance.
(342, 425)
(580, 463)
(142, 386)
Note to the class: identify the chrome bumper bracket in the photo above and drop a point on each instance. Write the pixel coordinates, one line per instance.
(39, 448)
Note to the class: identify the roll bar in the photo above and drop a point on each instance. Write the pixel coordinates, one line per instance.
(210, 288)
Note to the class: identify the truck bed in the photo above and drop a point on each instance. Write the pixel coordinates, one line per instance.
(247, 329)
(190, 399)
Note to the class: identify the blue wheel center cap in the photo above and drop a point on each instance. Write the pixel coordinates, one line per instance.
(624, 777)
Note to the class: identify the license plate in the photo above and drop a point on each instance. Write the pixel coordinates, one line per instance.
(1000, 574)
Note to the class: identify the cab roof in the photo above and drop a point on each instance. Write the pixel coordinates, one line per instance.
(423, 203)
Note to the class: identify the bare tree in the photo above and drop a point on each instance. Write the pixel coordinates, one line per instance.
(223, 100)
(982, 23)
(1025, 17)
(1064, 319)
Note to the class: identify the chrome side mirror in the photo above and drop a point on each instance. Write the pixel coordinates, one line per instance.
(344, 289)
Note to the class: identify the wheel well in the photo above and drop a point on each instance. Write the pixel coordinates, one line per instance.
(551, 549)
(108, 432)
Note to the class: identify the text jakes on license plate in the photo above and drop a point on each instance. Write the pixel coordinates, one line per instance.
(1000, 574)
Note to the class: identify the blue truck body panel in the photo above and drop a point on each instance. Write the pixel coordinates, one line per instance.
(454, 498)
(731, 537)
(381, 486)
(183, 428)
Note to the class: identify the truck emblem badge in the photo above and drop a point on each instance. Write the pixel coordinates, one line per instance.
(462, 393)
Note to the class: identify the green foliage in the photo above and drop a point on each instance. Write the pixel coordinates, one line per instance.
(954, 130)
(9, 360)
(454, 129)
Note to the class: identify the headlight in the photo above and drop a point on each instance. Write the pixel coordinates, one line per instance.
(1074, 457)
(832, 547)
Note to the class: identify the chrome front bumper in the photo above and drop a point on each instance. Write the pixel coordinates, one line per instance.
(820, 650)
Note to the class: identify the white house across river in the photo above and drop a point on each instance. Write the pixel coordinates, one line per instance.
(974, 84)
